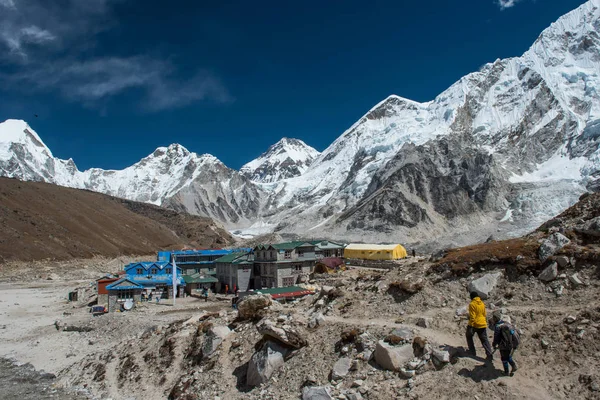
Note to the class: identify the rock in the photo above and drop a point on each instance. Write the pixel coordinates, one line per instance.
(275, 307)
(544, 344)
(253, 306)
(214, 338)
(461, 311)
(559, 290)
(316, 319)
(570, 319)
(367, 355)
(410, 285)
(355, 365)
(286, 334)
(552, 245)
(440, 357)
(357, 383)
(327, 289)
(392, 358)
(580, 334)
(265, 362)
(354, 396)
(562, 261)
(403, 333)
(407, 373)
(575, 280)
(424, 322)
(549, 273)
(59, 325)
(316, 393)
(484, 285)
(341, 368)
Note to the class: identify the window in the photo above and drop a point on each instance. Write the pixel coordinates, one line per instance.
(169, 271)
(288, 280)
(125, 294)
(197, 270)
(288, 254)
(154, 271)
(300, 253)
(140, 271)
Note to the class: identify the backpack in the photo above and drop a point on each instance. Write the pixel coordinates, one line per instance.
(510, 337)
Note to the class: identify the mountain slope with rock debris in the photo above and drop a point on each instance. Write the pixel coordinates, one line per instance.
(43, 221)
(497, 153)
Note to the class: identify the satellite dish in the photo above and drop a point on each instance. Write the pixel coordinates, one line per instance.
(128, 305)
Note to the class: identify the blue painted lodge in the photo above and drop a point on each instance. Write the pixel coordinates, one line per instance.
(145, 280)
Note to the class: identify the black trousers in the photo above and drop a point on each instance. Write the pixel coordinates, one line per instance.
(485, 342)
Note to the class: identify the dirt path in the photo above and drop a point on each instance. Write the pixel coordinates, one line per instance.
(522, 384)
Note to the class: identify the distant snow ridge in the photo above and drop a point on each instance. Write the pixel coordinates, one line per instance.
(520, 137)
(285, 159)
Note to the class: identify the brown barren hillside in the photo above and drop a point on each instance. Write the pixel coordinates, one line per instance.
(44, 221)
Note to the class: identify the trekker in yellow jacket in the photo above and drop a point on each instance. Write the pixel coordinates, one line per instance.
(478, 325)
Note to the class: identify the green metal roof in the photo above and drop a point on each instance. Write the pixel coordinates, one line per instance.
(290, 245)
(279, 290)
(229, 257)
(199, 278)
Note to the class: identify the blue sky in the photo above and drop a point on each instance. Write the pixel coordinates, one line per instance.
(111, 80)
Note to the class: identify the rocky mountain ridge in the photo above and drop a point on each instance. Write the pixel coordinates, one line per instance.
(287, 158)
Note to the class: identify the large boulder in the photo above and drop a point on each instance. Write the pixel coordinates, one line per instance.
(392, 358)
(549, 273)
(265, 362)
(316, 393)
(286, 334)
(484, 285)
(214, 338)
(552, 245)
(253, 306)
(591, 227)
(341, 368)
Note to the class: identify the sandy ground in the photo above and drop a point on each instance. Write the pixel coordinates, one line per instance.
(28, 313)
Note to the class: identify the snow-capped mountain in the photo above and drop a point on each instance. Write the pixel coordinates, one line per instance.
(464, 159)
(501, 149)
(285, 159)
(156, 179)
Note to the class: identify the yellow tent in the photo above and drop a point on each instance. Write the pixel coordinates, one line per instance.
(375, 251)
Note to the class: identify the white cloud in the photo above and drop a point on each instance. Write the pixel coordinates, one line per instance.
(93, 81)
(504, 4)
(35, 34)
(7, 3)
(46, 41)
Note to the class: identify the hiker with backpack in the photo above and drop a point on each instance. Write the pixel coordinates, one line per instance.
(506, 339)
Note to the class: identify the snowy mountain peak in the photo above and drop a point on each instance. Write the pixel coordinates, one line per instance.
(18, 131)
(285, 159)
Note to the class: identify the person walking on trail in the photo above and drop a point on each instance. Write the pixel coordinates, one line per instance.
(506, 339)
(478, 325)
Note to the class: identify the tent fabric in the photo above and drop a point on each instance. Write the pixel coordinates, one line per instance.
(375, 251)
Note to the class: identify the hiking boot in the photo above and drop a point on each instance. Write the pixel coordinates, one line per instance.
(506, 373)
(514, 369)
